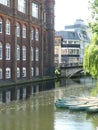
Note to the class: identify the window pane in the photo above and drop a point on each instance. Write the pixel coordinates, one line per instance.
(5, 2)
(22, 6)
(34, 10)
(18, 52)
(0, 51)
(8, 73)
(0, 25)
(24, 52)
(24, 31)
(8, 51)
(17, 29)
(8, 27)
(0, 73)
(24, 72)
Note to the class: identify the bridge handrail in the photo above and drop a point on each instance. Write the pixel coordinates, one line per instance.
(68, 65)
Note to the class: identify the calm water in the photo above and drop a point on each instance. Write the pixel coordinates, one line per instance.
(32, 107)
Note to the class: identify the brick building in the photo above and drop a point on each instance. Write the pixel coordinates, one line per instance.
(26, 39)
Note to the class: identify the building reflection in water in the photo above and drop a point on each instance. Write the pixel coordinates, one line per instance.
(23, 92)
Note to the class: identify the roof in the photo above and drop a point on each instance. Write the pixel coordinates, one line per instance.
(70, 35)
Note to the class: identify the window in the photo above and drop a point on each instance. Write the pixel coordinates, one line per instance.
(17, 29)
(5, 2)
(0, 25)
(24, 31)
(32, 71)
(8, 73)
(0, 51)
(24, 72)
(7, 27)
(24, 52)
(32, 54)
(35, 10)
(0, 73)
(36, 34)
(22, 6)
(32, 34)
(37, 54)
(37, 71)
(44, 17)
(18, 52)
(8, 51)
(18, 72)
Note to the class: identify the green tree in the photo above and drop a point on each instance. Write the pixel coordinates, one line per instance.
(90, 63)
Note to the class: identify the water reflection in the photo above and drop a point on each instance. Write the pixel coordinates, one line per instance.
(31, 107)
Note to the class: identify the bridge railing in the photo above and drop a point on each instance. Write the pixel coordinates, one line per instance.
(68, 64)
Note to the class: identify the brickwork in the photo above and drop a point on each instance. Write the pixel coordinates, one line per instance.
(44, 44)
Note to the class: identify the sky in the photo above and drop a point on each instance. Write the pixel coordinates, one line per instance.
(67, 11)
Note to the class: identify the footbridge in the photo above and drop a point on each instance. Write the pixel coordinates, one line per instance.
(70, 71)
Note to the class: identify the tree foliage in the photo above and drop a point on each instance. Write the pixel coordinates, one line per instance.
(90, 63)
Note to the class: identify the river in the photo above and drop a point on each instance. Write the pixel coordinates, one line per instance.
(31, 107)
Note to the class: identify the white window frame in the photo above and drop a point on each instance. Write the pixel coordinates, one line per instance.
(18, 29)
(22, 6)
(8, 27)
(32, 54)
(0, 73)
(0, 51)
(35, 10)
(24, 53)
(32, 71)
(37, 71)
(36, 34)
(24, 31)
(32, 34)
(8, 73)
(8, 51)
(23, 72)
(37, 54)
(18, 52)
(5, 2)
(0, 25)
(18, 72)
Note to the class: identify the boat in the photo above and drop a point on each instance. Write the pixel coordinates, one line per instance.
(93, 109)
(83, 107)
(76, 103)
(67, 104)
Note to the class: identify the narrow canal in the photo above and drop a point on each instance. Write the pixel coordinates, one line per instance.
(31, 107)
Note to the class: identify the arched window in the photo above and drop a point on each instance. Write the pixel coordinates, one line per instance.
(32, 54)
(0, 73)
(8, 73)
(32, 34)
(24, 31)
(8, 51)
(24, 52)
(36, 34)
(18, 72)
(32, 71)
(0, 51)
(8, 27)
(18, 52)
(0, 25)
(17, 29)
(23, 72)
(37, 54)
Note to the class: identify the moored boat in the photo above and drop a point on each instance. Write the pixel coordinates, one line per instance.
(76, 103)
(93, 109)
(83, 107)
